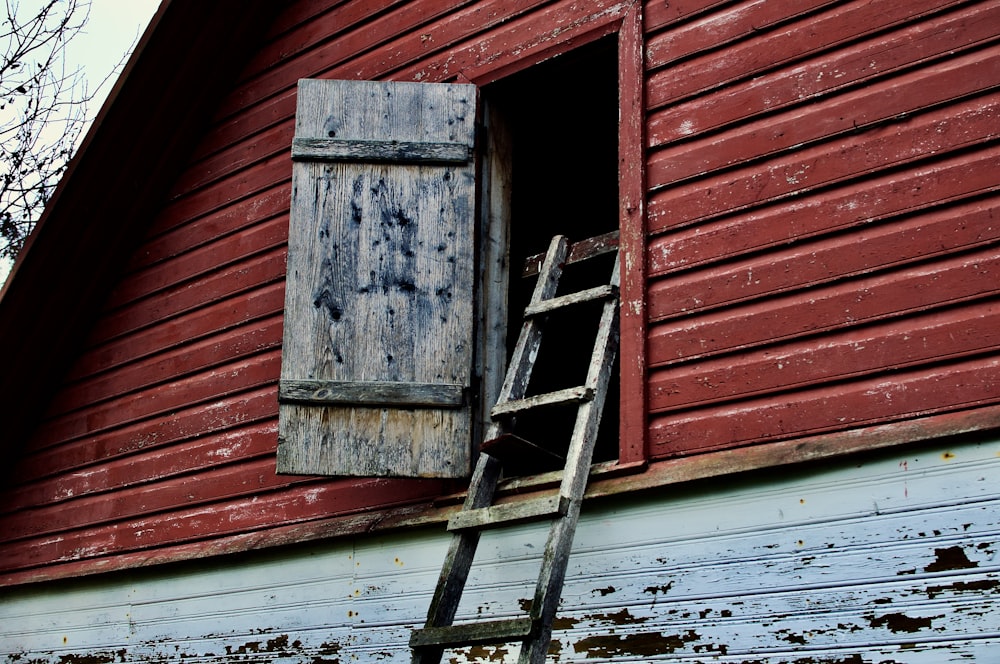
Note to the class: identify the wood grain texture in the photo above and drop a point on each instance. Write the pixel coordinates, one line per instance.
(394, 151)
(380, 281)
(371, 393)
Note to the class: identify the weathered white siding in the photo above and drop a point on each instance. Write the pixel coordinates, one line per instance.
(889, 559)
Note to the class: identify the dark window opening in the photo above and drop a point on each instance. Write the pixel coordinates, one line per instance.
(562, 120)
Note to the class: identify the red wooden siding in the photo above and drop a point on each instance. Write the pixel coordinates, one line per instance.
(822, 216)
(821, 254)
(164, 432)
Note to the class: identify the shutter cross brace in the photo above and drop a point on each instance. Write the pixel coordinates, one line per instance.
(478, 513)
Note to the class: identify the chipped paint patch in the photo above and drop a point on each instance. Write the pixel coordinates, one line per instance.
(564, 623)
(978, 587)
(89, 659)
(898, 622)
(485, 653)
(949, 559)
(623, 617)
(654, 590)
(643, 644)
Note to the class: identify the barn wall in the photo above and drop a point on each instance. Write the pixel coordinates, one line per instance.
(881, 559)
(822, 216)
(165, 430)
(822, 255)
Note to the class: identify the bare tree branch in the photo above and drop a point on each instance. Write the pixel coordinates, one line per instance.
(43, 110)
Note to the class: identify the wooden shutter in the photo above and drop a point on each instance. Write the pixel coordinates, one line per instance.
(377, 351)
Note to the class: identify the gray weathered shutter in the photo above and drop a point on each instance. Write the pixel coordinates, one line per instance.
(377, 351)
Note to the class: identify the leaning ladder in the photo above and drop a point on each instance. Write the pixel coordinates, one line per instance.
(563, 509)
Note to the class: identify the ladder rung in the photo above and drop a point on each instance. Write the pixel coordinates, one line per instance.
(578, 251)
(596, 293)
(547, 507)
(569, 395)
(520, 456)
(492, 631)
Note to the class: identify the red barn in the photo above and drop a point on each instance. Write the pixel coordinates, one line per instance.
(254, 341)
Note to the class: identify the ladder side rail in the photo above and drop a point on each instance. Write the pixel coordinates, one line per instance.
(581, 447)
(458, 560)
(522, 360)
(555, 559)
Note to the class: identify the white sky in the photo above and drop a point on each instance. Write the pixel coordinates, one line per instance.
(113, 29)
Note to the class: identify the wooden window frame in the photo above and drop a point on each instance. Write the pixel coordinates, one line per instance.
(627, 28)
(633, 427)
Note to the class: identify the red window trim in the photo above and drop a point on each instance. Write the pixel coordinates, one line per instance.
(633, 430)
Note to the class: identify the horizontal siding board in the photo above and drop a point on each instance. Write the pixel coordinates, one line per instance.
(143, 464)
(825, 634)
(843, 304)
(346, 20)
(269, 142)
(299, 12)
(245, 374)
(261, 237)
(249, 121)
(374, 38)
(268, 172)
(881, 398)
(137, 496)
(927, 339)
(657, 15)
(851, 66)
(170, 236)
(257, 337)
(843, 23)
(850, 206)
(838, 116)
(230, 281)
(184, 524)
(729, 24)
(525, 39)
(892, 146)
(726, 257)
(306, 29)
(871, 248)
(213, 319)
(183, 428)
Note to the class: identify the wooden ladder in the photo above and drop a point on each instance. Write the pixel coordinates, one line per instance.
(478, 513)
